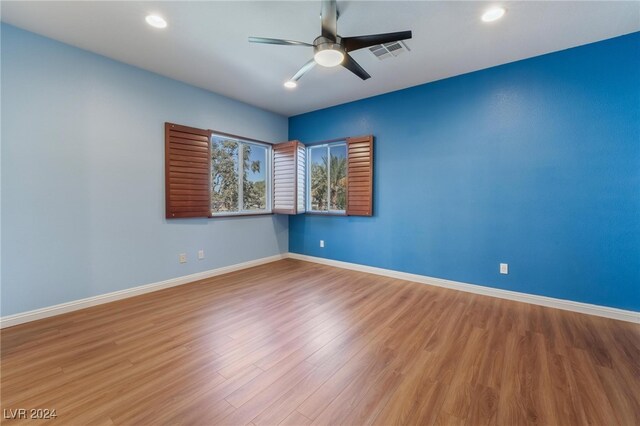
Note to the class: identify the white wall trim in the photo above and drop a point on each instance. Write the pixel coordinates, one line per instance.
(36, 314)
(567, 305)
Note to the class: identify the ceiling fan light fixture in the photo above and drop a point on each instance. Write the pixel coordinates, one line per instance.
(329, 57)
(327, 52)
(290, 84)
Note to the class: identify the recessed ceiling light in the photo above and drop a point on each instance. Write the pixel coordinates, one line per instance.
(290, 84)
(156, 21)
(493, 14)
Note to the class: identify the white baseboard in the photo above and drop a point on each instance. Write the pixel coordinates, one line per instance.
(11, 320)
(567, 305)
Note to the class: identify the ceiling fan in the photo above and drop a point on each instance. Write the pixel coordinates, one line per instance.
(330, 49)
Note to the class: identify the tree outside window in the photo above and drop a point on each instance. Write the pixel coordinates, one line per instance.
(231, 158)
(328, 178)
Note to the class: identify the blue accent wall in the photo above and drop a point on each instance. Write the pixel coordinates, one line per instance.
(534, 163)
(83, 176)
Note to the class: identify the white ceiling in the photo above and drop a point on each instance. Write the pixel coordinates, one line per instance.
(206, 44)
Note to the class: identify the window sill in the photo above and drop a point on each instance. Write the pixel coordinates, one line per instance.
(227, 215)
(326, 213)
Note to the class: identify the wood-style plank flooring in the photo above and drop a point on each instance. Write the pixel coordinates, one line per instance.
(297, 343)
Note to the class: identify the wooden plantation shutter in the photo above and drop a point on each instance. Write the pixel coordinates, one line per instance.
(360, 176)
(187, 153)
(301, 176)
(288, 177)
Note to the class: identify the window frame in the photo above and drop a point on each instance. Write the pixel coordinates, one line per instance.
(309, 164)
(268, 176)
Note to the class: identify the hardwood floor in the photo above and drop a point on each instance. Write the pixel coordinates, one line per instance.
(297, 343)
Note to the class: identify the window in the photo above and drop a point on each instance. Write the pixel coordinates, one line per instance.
(210, 174)
(327, 178)
(239, 171)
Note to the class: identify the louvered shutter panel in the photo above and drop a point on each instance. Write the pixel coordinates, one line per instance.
(302, 163)
(187, 171)
(360, 176)
(288, 177)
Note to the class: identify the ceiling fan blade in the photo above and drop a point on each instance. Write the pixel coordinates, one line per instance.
(354, 43)
(329, 17)
(278, 41)
(350, 64)
(302, 71)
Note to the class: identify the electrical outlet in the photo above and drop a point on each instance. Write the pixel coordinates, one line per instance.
(504, 268)
(182, 257)
(200, 254)
(322, 243)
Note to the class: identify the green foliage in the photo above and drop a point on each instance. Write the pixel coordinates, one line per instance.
(319, 185)
(337, 182)
(224, 178)
(253, 193)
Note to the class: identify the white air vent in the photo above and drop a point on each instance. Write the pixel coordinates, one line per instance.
(388, 50)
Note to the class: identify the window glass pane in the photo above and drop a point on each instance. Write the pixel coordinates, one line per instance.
(224, 175)
(254, 184)
(318, 183)
(338, 178)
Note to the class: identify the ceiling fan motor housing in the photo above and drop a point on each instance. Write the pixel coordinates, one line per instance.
(323, 43)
